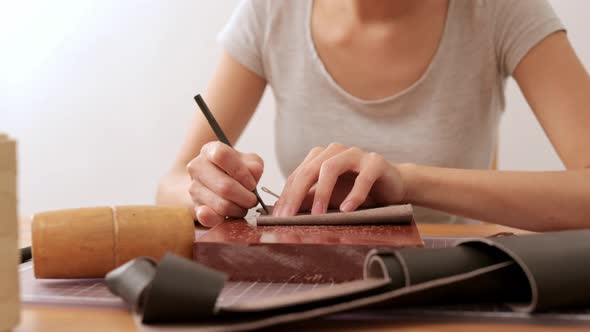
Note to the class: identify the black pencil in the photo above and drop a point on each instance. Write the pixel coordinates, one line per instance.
(221, 137)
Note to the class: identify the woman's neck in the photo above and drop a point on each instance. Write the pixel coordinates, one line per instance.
(376, 11)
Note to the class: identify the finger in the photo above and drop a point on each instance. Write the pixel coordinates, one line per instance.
(228, 159)
(224, 186)
(207, 217)
(308, 200)
(255, 165)
(202, 195)
(311, 155)
(252, 157)
(295, 191)
(330, 171)
(370, 171)
(203, 214)
(191, 167)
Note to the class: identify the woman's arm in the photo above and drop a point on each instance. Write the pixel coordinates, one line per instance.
(538, 201)
(232, 94)
(558, 89)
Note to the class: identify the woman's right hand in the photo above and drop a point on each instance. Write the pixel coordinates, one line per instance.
(222, 181)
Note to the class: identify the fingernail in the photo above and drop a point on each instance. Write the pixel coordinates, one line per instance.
(317, 208)
(347, 206)
(198, 213)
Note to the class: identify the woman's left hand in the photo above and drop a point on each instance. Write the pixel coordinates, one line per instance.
(347, 177)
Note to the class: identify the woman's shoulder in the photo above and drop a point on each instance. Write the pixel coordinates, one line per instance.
(271, 10)
(515, 26)
(258, 29)
(506, 10)
(271, 16)
(280, 21)
(502, 10)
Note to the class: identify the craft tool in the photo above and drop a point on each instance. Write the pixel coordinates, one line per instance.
(221, 137)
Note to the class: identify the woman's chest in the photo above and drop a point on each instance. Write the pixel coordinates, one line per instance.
(370, 72)
(375, 62)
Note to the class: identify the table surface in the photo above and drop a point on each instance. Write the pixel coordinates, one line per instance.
(51, 318)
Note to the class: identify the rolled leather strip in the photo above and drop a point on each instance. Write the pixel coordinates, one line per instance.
(182, 291)
(393, 214)
(557, 266)
(464, 274)
(176, 290)
(130, 280)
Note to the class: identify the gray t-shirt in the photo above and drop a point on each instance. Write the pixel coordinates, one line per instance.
(447, 118)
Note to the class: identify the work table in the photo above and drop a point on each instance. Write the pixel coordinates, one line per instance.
(51, 318)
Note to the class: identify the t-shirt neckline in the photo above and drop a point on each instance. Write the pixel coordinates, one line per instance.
(320, 64)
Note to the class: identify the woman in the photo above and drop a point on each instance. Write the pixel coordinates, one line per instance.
(382, 102)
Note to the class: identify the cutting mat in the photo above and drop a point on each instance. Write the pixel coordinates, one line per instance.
(93, 292)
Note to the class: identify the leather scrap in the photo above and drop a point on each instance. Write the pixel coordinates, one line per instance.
(179, 290)
(531, 273)
(556, 265)
(392, 214)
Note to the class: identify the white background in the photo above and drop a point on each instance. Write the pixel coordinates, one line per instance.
(99, 95)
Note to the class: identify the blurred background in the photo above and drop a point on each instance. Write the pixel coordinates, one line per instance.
(99, 96)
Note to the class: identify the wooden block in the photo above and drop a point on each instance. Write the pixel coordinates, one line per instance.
(8, 211)
(7, 286)
(9, 254)
(7, 181)
(8, 153)
(307, 254)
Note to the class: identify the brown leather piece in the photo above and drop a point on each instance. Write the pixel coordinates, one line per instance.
(308, 254)
(393, 214)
